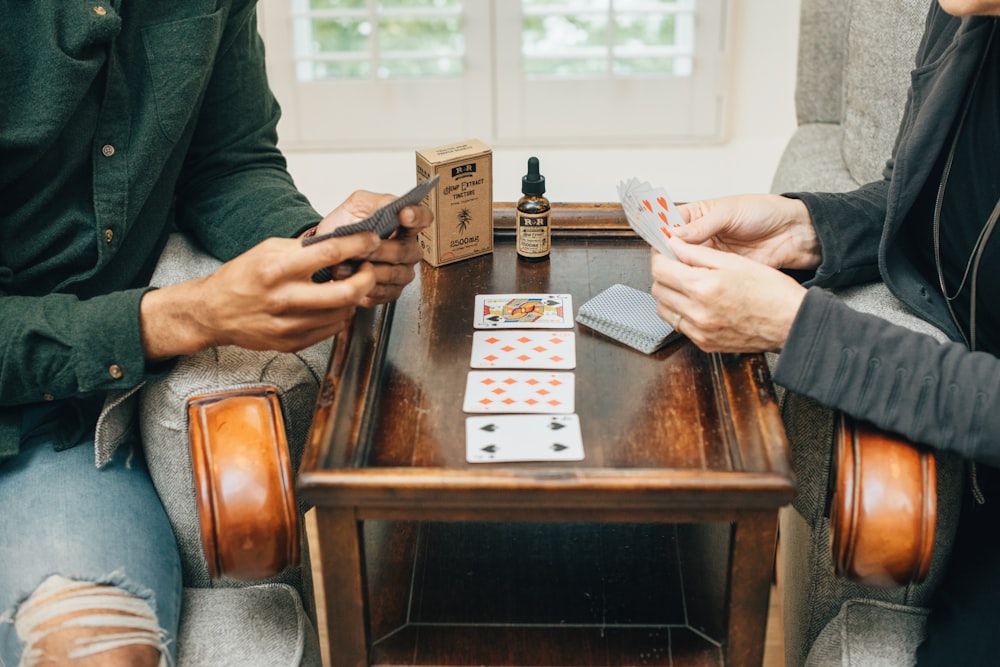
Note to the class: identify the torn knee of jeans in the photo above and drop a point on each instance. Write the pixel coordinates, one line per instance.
(93, 617)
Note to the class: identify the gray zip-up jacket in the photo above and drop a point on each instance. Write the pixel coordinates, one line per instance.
(942, 395)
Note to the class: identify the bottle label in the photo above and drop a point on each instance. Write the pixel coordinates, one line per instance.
(533, 237)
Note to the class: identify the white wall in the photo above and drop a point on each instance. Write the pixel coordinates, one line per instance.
(764, 35)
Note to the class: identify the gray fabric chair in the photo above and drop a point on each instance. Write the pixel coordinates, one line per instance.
(853, 72)
(228, 623)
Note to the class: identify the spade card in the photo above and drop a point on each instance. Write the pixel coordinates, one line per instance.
(523, 311)
(519, 391)
(500, 438)
(651, 213)
(383, 222)
(524, 349)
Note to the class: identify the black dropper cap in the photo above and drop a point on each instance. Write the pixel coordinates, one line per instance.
(533, 183)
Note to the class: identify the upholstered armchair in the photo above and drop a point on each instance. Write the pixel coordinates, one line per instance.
(853, 71)
(225, 620)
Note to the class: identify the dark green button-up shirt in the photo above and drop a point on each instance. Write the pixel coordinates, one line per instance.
(119, 122)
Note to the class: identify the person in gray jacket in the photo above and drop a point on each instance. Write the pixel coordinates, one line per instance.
(925, 229)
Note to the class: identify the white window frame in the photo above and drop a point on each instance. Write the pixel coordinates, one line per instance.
(493, 101)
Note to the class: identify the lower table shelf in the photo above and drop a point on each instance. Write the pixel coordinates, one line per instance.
(546, 594)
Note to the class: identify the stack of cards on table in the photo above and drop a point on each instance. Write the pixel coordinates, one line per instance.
(650, 212)
(522, 380)
(628, 316)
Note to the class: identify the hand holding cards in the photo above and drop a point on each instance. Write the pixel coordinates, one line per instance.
(383, 222)
(651, 213)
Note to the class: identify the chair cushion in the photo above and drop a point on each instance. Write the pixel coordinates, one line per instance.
(869, 633)
(182, 259)
(812, 162)
(881, 50)
(260, 625)
(820, 68)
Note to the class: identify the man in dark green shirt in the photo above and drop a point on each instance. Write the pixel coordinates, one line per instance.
(120, 122)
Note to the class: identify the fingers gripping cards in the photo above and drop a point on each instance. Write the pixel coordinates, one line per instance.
(383, 222)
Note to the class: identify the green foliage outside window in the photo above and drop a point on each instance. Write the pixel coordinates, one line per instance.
(424, 38)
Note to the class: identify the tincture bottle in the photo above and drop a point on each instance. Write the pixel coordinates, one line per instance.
(534, 235)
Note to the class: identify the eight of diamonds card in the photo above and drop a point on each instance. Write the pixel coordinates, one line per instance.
(498, 438)
(523, 311)
(519, 391)
(524, 349)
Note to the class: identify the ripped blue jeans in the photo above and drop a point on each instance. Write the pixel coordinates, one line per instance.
(62, 522)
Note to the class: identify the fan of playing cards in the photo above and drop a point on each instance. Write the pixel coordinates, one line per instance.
(650, 212)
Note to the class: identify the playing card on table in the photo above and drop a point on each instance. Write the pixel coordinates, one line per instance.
(523, 349)
(650, 212)
(499, 438)
(523, 311)
(629, 316)
(519, 391)
(383, 222)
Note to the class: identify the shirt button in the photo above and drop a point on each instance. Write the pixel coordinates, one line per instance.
(100, 11)
(115, 371)
(109, 235)
(107, 150)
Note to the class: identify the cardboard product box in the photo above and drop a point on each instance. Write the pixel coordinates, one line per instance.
(462, 201)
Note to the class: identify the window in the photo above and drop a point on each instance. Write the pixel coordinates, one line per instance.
(372, 74)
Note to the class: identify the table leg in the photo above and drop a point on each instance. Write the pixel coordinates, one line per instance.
(340, 589)
(752, 562)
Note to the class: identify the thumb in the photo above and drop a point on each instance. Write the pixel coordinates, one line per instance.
(703, 224)
(333, 251)
(694, 254)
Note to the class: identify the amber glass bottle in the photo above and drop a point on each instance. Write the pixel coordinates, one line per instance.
(534, 235)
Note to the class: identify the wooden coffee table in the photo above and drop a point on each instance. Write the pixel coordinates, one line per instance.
(656, 549)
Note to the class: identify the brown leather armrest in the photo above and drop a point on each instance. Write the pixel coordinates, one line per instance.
(243, 483)
(883, 509)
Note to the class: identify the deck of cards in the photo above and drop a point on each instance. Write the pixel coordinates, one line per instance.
(651, 213)
(629, 316)
(521, 388)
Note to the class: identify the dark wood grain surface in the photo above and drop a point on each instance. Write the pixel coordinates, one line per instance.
(670, 520)
(668, 429)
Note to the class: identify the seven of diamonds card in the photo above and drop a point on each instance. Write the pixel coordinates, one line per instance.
(497, 438)
(519, 391)
(519, 349)
(523, 311)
